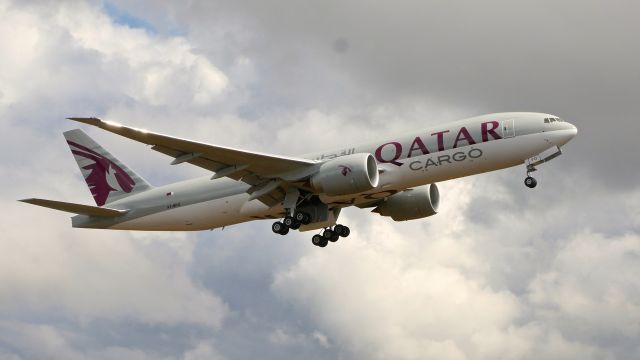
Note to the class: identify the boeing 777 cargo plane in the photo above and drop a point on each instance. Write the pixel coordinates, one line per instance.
(395, 176)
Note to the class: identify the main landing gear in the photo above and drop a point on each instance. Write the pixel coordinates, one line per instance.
(291, 222)
(329, 234)
(301, 218)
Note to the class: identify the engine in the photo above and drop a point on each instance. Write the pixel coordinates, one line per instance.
(350, 174)
(411, 204)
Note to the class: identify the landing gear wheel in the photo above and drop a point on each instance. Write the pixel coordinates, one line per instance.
(330, 235)
(302, 217)
(338, 229)
(279, 228)
(295, 226)
(341, 230)
(530, 182)
(299, 216)
(289, 221)
(319, 240)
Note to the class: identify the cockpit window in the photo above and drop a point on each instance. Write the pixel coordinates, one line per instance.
(546, 120)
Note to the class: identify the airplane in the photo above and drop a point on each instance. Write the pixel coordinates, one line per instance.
(394, 177)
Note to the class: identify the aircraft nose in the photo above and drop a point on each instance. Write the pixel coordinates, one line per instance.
(572, 131)
(566, 134)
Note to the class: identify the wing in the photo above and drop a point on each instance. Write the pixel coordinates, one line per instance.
(264, 172)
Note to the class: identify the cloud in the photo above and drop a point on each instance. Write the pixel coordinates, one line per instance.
(203, 351)
(81, 275)
(429, 291)
(592, 285)
(500, 272)
(161, 71)
(479, 58)
(49, 342)
(57, 281)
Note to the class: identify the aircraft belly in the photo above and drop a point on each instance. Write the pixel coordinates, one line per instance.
(200, 216)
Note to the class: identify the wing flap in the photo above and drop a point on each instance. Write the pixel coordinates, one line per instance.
(76, 208)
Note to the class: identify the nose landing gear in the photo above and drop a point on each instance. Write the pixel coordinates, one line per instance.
(529, 181)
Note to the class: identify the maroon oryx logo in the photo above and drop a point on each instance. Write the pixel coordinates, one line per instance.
(345, 170)
(105, 176)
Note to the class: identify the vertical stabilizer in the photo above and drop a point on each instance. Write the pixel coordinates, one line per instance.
(107, 177)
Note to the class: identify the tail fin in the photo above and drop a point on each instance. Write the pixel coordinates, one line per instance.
(107, 178)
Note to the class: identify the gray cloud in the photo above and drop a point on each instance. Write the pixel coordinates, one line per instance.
(563, 58)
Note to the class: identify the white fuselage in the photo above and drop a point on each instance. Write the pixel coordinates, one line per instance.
(463, 148)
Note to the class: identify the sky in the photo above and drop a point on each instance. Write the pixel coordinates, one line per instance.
(502, 272)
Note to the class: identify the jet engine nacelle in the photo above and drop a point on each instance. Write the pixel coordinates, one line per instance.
(411, 204)
(350, 174)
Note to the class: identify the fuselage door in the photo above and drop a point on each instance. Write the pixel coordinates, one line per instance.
(508, 131)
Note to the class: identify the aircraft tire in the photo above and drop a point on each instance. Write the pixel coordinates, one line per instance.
(330, 235)
(302, 217)
(289, 221)
(299, 216)
(346, 231)
(277, 227)
(530, 182)
(342, 230)
(285, 231)
(319, 240)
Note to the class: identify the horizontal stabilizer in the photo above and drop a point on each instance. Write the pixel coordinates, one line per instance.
(76, 208)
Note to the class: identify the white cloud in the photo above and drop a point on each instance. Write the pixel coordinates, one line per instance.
(386, 292)
(160, 71)
(86, 275)
(424, 290)
(592, 287)
(56, 54)
(72, 51)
